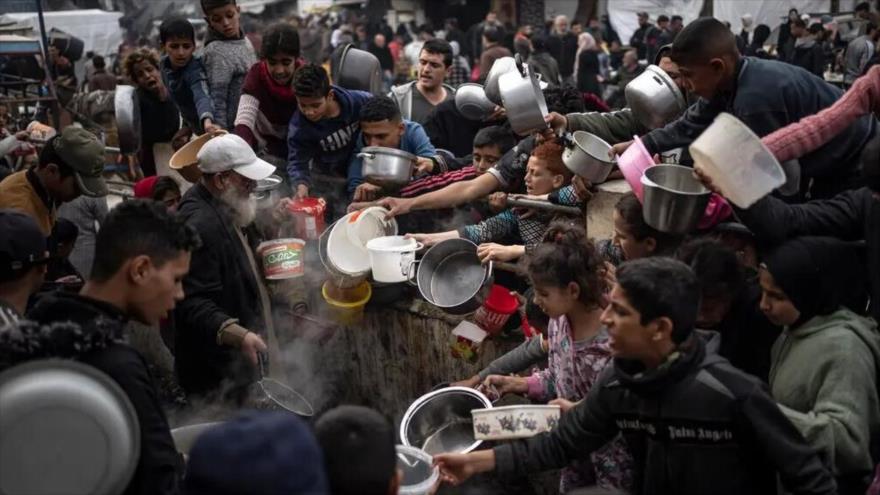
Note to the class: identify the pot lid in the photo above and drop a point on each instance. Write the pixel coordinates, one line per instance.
(381, 150)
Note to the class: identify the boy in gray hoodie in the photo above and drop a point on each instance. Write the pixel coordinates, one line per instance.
(228, 55)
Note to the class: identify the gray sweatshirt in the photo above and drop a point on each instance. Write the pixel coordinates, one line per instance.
(226, 64)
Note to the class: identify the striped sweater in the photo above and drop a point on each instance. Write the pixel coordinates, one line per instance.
(264, 111)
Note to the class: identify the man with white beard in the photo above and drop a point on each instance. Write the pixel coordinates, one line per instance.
(224, 320)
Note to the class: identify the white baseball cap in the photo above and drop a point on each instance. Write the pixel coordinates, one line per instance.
(231, 152)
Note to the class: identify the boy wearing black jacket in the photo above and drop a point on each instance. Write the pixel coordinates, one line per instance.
(693, 423)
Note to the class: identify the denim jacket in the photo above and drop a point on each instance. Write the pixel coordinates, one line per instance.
(189, 90)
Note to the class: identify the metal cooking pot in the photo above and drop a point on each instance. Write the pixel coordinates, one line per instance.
(500, 67)
(524, 102)
(128, 119)
(654, 98)
(387, 167)
(267, 193)
(587, 156)
(673, 201)
(359, 69)
(471, 101)
(451, 277)
(440, 421)
(65, 427)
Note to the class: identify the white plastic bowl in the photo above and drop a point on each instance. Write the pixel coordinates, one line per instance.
(512, 422)
(344, 254)
(392, 257)
(736, 161)
(367, 224)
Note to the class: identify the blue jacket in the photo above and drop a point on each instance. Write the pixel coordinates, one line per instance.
(414, 140)
(189, 90)
(770, 95)
(328, 143)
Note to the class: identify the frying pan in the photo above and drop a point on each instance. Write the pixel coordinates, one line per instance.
(280, 394)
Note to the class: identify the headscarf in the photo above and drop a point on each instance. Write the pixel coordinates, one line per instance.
(586, 42)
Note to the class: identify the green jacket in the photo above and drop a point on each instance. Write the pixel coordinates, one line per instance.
(613, 127)
(824, 376)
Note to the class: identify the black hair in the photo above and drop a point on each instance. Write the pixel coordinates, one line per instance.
(311, 80)
(425, 28)
(792, 10)
(176, 28)
(662, 287)
(662, 18)
(630, 210)
(280, 38)
(379, 108)
(163, 186)
(359, 453)
(493, 34)
(799, 23)
(716, 267)
(439, 46)
(702, 40)
(677, 18)
(564, 100)
(495, 135)
(140, 227)
(209, 5)
(565, 256)
(539, 43)
(863, 6)
(98, 62)
(816, 28)
(50, 155)
(64, 232)
(762, 32)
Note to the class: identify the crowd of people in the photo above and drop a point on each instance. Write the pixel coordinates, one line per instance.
(737, 358)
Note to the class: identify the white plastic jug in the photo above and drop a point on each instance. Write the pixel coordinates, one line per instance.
(392, 257)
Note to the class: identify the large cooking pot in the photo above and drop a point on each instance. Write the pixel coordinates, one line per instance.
(387, 167)
(674, 201)
(587, 156)
(472, 103)
(359, 69)
(128, 119)
(500, 67)
(440, 421)
(524, 101)
(451, 277)
(654, 98)
(65, 427)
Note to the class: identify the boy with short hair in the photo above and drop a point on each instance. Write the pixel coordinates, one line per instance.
(184, 75)
(228, 55)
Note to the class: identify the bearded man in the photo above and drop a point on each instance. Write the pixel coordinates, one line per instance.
(225, 317)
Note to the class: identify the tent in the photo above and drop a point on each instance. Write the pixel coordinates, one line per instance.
(98, 29)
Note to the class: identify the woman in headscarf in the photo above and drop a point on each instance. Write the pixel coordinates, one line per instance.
(586, 65)
(824, 365)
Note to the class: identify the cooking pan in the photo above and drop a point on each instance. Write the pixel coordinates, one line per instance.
(451, 277)
(500, 67)
(128, 119)
(280, 395)
(387, 167)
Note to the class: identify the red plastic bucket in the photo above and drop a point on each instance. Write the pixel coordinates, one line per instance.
(496, 310)
(308, 214)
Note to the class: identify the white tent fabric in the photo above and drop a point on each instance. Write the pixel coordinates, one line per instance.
(764, 12)
(98, 29)
(622, 13)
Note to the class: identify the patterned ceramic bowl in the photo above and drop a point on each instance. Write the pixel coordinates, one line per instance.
(512, 422)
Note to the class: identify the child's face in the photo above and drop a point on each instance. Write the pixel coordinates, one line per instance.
(632, 248)
(540, 179)
(556, 301)
(774, 302)
(281, 67)
(485, 157)
(179, 51)
(314, 108)
(146, 76)
(225, 20)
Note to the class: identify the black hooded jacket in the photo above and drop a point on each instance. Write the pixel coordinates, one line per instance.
(97, 339)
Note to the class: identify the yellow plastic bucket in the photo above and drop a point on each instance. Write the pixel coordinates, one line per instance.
(347, 305)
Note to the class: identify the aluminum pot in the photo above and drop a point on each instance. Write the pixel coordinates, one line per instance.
(587, 156)
(654, 98)
(359, 69)
(500, 67)
(451, 277)
(524, 102)
(471, 101)
(440, 421)
(128, 119)
(387, 167)
(674, 201)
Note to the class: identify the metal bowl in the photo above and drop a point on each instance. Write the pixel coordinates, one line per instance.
(587, 156)
(471, 101)
(440, 421)
(359, 69)
(65, 427)
(501, 66)
(128, 118)
(654, 98)
(674, 201)
(387, 167)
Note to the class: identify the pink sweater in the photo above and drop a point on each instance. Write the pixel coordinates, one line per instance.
(804, 136)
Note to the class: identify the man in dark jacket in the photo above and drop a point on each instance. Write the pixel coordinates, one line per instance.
(805, 52)
(639, 38)
(221, 323)
(142, 253)
(693, 423)
(706, 54)
(562, 44)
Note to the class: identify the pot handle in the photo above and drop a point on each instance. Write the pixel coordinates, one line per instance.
(369, 156)
(489, 269)
(406, 270)
(411, 272)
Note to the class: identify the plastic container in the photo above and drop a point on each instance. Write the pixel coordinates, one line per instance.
(343, 254)
(512, 422)
(308, 215)
(347, 305)
(367, 224)
(392, 257)
(633, 163)
(419, 472)
(736, 161)
(496, 310)
(282, 258)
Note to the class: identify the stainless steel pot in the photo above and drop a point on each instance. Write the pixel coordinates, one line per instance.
(128, 118)
(359, 69)
(654, 98)
(267, 192)
(524, 102)
(587, 156)
(440, 421)
(674, 201)
(387, 167)
(471, 101)
(451, 277)
(500, 67)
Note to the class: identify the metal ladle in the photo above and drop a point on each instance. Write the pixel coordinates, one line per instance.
(280, 394)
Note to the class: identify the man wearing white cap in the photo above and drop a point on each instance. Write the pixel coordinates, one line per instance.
(225, 317)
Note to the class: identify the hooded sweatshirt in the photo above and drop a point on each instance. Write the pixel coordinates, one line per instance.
(227, 62)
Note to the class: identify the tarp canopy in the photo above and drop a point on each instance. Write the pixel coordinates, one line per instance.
(622, 14)
(98, 29)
